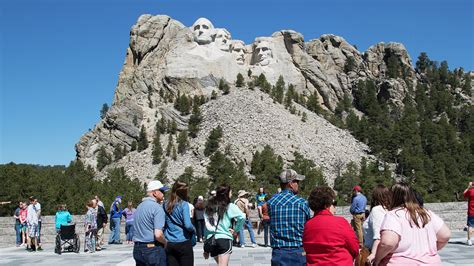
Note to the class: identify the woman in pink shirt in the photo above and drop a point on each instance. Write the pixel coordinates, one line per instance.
(410, 234)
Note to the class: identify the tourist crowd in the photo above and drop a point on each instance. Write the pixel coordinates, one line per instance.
(396, 230)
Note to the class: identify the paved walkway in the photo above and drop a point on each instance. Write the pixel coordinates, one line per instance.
(455, 253)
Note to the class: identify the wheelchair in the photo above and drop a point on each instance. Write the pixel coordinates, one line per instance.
(67, 240)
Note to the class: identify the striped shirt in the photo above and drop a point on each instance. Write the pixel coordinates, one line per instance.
(288, 214)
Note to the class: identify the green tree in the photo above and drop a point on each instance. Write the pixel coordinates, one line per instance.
(240, 81)
(304, 117)
(220, 168)
(265, 166)
(170, 145)
(350, 64)
(133, 146)
(314, 175)
(422, 63)
(104, 110)
(393, 66)
(194, 121)
(142, 140)
(212, 143)
(157, 152)
(119, 152)
(162, 174)
(183, 142)
(344, 184)
(278, 91)
(103, 158)
(289, 96)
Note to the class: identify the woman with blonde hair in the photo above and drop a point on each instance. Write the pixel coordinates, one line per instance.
(410, 234)
(128, 213)
(179, 230)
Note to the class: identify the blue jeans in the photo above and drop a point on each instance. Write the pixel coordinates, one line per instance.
(266, 229)
(18, 233)
(149, 256)
(115, 230)
(129, 231)
(242, 235)
(288, 257)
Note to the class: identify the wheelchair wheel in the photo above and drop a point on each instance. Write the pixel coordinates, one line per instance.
(77, 244)
(57, 248)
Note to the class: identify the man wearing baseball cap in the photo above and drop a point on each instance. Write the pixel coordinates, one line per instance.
(288, 214)
(149, 218)
(358, 204)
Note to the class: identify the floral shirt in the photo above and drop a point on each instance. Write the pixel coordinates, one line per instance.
(90, 220)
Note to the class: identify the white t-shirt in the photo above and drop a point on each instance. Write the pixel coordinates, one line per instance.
(372, 225)
(31, 216)
(191, 210)
(38, 209)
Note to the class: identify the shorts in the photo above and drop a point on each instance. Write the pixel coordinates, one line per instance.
(470, 221)
(33, 230)
(223, 247)
(23, 227)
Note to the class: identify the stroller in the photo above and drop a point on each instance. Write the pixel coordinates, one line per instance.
(67, 239)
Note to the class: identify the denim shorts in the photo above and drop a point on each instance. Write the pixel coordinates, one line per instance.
(470, 221)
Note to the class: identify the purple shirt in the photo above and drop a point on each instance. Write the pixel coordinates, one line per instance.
(129, 214)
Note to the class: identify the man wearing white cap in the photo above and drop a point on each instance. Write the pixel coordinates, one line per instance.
(149, 220)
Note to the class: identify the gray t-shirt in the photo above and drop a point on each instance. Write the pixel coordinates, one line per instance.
(148, 217)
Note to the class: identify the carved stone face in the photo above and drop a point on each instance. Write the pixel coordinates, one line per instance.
(222, 39)
(264, 53)
(238, 48)
(203, 31)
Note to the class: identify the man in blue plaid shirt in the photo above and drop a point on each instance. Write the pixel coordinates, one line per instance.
(288, 214)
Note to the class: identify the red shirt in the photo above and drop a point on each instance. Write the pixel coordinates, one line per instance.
(469, 195)
(329, 240)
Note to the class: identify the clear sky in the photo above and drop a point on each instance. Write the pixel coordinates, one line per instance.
(60, 59)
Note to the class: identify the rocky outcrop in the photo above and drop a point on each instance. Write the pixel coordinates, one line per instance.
(166, 59)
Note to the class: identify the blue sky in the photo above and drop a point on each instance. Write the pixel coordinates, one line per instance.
(60, 59)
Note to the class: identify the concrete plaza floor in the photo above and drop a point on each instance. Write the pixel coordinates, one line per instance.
(455, 253)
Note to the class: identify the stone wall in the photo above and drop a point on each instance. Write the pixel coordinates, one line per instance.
(453, 213)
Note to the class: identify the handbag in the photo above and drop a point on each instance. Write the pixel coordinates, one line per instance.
(211, 243)
(193, 234)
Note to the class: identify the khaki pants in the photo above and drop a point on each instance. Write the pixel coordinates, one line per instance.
(357, 221)
(100, 238)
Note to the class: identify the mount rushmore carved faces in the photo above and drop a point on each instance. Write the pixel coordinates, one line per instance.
(237, 47)
(222, 39)
(263, 54)
(203, 31)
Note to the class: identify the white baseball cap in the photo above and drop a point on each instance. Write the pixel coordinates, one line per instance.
(155, 185)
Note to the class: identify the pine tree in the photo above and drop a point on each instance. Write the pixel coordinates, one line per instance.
(290, 94)
(304, 117)
(422, 63)
(133, 146)
(182, 142)
(220, 168)
(188, 176)
(142, 140)
(393, 66)
(174, 155)
(119, 152)
(240, 81)
(162, 175)
(103, 158)
(194, 121)
(279, 90)
(214, 95)
(212, 143)
(350, 64)
(173, 127)
(170, 145)
(157, 152)
(104, 110)
(314, 175)
(265, 166)
(249, 73)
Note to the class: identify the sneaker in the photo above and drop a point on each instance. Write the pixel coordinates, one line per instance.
(40, 249)
(469, 242)
(242, 246)
(254, 245)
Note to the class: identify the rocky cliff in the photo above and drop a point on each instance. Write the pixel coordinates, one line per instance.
(166, 59)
